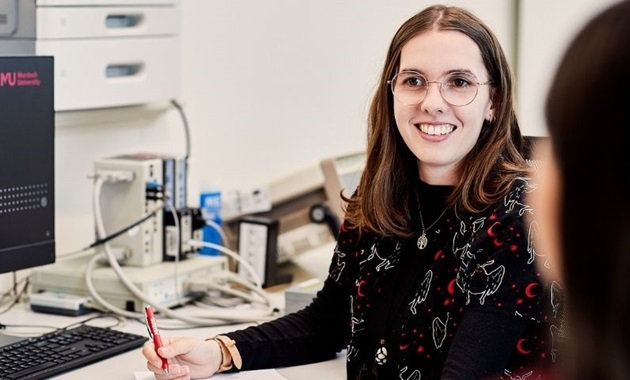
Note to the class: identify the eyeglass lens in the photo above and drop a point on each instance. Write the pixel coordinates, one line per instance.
(411, 88)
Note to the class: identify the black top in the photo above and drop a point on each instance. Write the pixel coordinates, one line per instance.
(470, 305)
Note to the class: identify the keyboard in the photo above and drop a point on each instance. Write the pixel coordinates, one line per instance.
(51, 354)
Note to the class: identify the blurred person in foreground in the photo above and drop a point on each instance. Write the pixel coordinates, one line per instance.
(583, 204)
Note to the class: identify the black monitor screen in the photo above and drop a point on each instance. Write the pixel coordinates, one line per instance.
(27, 130)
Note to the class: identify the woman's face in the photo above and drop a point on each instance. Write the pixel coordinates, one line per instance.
(438, 133)
(545, 201)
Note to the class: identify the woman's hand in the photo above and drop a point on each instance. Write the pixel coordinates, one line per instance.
(188, 358)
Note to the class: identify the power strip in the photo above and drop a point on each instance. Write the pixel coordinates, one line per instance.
(163, 283)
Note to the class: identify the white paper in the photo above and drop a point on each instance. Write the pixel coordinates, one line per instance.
(266, 374)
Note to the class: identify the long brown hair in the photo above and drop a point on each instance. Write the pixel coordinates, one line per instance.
(588, 121)
(384, 199)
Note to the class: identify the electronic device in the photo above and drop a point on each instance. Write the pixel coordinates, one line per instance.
(189, 224)
(130, 200)
(257, 244)
(164, 283)
(178, 236)
(155, 180)
(154, 254)
(27, 162)
(51, 354)
(291, 197)
(59, 303)
(306, 210)
(308, 203)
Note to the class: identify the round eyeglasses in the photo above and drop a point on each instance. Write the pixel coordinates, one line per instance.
(457, 89)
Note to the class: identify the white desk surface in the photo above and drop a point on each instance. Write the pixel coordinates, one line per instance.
(121, 367)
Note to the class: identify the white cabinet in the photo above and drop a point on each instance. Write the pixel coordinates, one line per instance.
(108, 53)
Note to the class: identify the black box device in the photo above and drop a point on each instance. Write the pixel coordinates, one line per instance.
(27, 165)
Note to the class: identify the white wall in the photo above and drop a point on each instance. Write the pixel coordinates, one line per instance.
(269, 87)
(272, 86)
(546, 27)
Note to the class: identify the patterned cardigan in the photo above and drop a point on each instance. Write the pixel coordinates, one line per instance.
(384, 292)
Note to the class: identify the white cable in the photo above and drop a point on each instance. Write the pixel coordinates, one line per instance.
(224, 240)
(217, 227)
(206, 320)
(218, 282)
(177, 245)
(86, 250)
(233, 255)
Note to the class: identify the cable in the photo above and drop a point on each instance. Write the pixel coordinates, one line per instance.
(18, 296)
(212, 319)
(238, 258)
(101, 241)
(182, 114)
(112, 236)
(11, 327)
(224, 277)
(123, 230)
(217, 227)
(177, 244)
(233, 255)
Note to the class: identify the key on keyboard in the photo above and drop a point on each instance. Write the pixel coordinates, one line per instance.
(51, 354)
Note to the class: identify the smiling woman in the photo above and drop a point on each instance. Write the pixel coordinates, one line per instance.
(432, 276)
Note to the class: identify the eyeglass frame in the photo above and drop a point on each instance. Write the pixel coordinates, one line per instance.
(390, 83)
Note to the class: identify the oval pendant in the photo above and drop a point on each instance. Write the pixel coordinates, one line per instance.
(422, 241)
(381, 355)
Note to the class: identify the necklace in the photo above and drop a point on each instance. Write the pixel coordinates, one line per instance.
(423, 240)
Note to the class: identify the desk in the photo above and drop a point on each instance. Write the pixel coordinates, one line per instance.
(121, 367)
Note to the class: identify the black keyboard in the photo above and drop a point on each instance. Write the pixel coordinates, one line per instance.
(51, 354)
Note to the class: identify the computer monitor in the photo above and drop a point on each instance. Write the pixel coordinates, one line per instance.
(27, 187)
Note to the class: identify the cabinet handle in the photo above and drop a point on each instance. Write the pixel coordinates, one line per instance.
(123, 70)
(123, 21)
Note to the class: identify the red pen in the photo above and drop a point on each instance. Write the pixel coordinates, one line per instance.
(154, 333)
